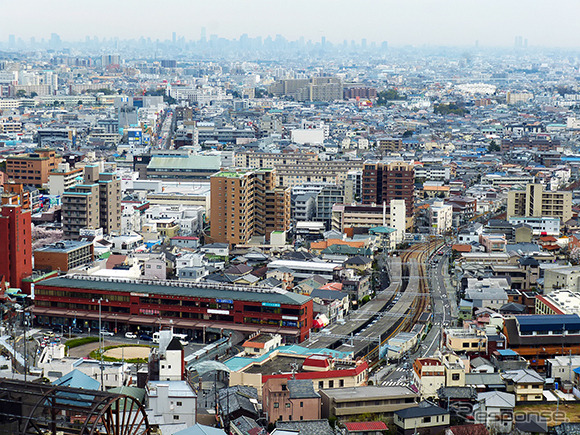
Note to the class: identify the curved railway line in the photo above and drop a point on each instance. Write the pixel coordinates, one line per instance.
(397, 308)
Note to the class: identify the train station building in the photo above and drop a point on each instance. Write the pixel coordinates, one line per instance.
(190, 308)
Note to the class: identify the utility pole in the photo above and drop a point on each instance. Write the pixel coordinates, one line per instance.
(25, 353)
(101, 340)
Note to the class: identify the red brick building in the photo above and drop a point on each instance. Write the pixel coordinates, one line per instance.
(15, 244)
(385, 181)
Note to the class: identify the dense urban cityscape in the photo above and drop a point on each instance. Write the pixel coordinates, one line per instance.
(269, 235)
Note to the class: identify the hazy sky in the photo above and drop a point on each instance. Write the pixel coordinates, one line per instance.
(416, 22)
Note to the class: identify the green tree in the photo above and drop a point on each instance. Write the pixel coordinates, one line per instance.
(21, 93)
(33, 94)
(384, 97)
(493, 147)
(105, 91)
(450, 109)
(261, 93)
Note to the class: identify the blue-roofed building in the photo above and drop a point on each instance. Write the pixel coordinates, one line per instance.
(538, 338)
(77, 379)
(536, 325)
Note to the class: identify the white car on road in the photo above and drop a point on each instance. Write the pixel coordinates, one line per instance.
(130, 335)
(107, 333)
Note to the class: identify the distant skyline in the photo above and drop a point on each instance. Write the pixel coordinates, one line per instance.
(414, 22)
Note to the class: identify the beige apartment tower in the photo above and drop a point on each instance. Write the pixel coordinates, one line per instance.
(534, 201)
(245, 204)
(96, 203)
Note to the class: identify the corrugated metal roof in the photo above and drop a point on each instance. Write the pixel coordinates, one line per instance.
(178, 288)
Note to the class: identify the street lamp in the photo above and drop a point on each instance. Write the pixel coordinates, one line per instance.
(101, 342)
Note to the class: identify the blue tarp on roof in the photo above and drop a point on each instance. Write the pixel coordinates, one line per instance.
(507, 352)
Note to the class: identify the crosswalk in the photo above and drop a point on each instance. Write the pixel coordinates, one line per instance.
(401, 382)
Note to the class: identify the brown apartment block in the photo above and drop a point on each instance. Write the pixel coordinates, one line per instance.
(290, 399)
(384, 181)
(94, 204)
(32, 168)
(246, 204)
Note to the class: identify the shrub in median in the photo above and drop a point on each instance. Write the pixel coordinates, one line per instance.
(75, 342)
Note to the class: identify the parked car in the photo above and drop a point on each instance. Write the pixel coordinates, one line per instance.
(76, 330)
(130, 335)
(107, 333)
(145, 337)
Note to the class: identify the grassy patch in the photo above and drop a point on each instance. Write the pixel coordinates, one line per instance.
(75, 342)
(96, 354)
(567, 411)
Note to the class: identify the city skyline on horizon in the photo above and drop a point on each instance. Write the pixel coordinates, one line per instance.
(453, 23)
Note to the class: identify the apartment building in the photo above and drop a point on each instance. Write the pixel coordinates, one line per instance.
(535, 201)
(32, 168)
(315, 171)
(387, 145)
(290, 399)
(245, 204)
(541, 226)
(385, 181)
(96, 203)
(63, 178)
(561, 277)
(370, 216)
(15, 244)
(257, 160)
(64, 255)
(314, 89)
(440, 217)
(9, 126)
(465, 340)
(347, 403)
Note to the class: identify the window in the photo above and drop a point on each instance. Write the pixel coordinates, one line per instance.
(301, 404)
(426, 419)
(176, 417)
(330, 384)
(320, 384)
(341, 383)
(179, 403)
(288, 405)
(284, 388)
(276, 405)
(455, 376)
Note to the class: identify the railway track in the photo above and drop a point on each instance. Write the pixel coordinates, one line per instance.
(413, 300)
(394, 309)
